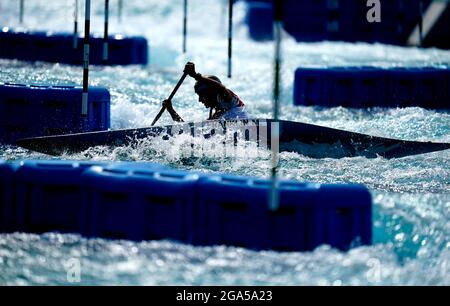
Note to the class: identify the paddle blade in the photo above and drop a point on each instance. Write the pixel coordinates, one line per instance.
(158, 116)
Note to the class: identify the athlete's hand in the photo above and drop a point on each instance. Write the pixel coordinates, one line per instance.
(189, 69)
(167, 104)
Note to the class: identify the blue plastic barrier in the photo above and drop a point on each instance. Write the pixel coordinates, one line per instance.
(48, 196)
(260, 20)
(234, 211)
(150, 201)
(58, 47)
(340, 20)
(350, 87)
(40, 110)
(362, 87)
(139, 204)
(448, 83)
(309, 20)
(425, 87)
(342, 216)
(6, 196)
(132, 167)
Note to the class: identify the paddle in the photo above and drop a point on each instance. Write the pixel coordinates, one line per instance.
(174, 91)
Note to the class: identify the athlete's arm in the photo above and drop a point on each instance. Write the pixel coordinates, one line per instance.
(190, 70)
(172, 112)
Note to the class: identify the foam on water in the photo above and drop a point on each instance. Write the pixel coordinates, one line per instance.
(43, 260)
(411, 194)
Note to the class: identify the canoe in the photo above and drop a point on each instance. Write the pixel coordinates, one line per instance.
(307, 139)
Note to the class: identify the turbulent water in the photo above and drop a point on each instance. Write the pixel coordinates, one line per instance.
(411, 195)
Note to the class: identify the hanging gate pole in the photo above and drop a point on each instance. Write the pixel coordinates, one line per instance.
(230, 35)
(87, 26)
(275, 131)
(105, 35)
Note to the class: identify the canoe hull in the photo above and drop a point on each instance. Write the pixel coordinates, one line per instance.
(306, 139)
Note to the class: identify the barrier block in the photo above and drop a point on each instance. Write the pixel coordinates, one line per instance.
(448, 83)
(342, 216)
(15, 44)
(308, 84)
(362, 87)
(143, 201)
(346, 20)
(6, 196)
(132, 167)
(424, 87)
(48, 196)
(260, 20)
(309, 21)
(122, 51)
(42, 110)
(231, 212)
(139, 204)
(234, 211)
(349, 87)
(398, 21)
(353, 24)
(58, 48)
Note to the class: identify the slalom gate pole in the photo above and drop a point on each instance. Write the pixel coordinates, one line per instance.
(105, 34)
(275, 132)
(185, 8)
(230, 35)
(87, 26)
(75, 25)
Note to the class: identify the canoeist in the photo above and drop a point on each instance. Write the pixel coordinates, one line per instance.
(222, 102)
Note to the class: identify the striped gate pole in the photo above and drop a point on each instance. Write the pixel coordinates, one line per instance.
(87, 26)
(75, 25)
(185, 6)
(421, 23)
(119, 10)
(105, 36)
(21, 10)
(230, 35)
(275, 132)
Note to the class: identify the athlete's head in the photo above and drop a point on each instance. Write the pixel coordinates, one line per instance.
(207, 94)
